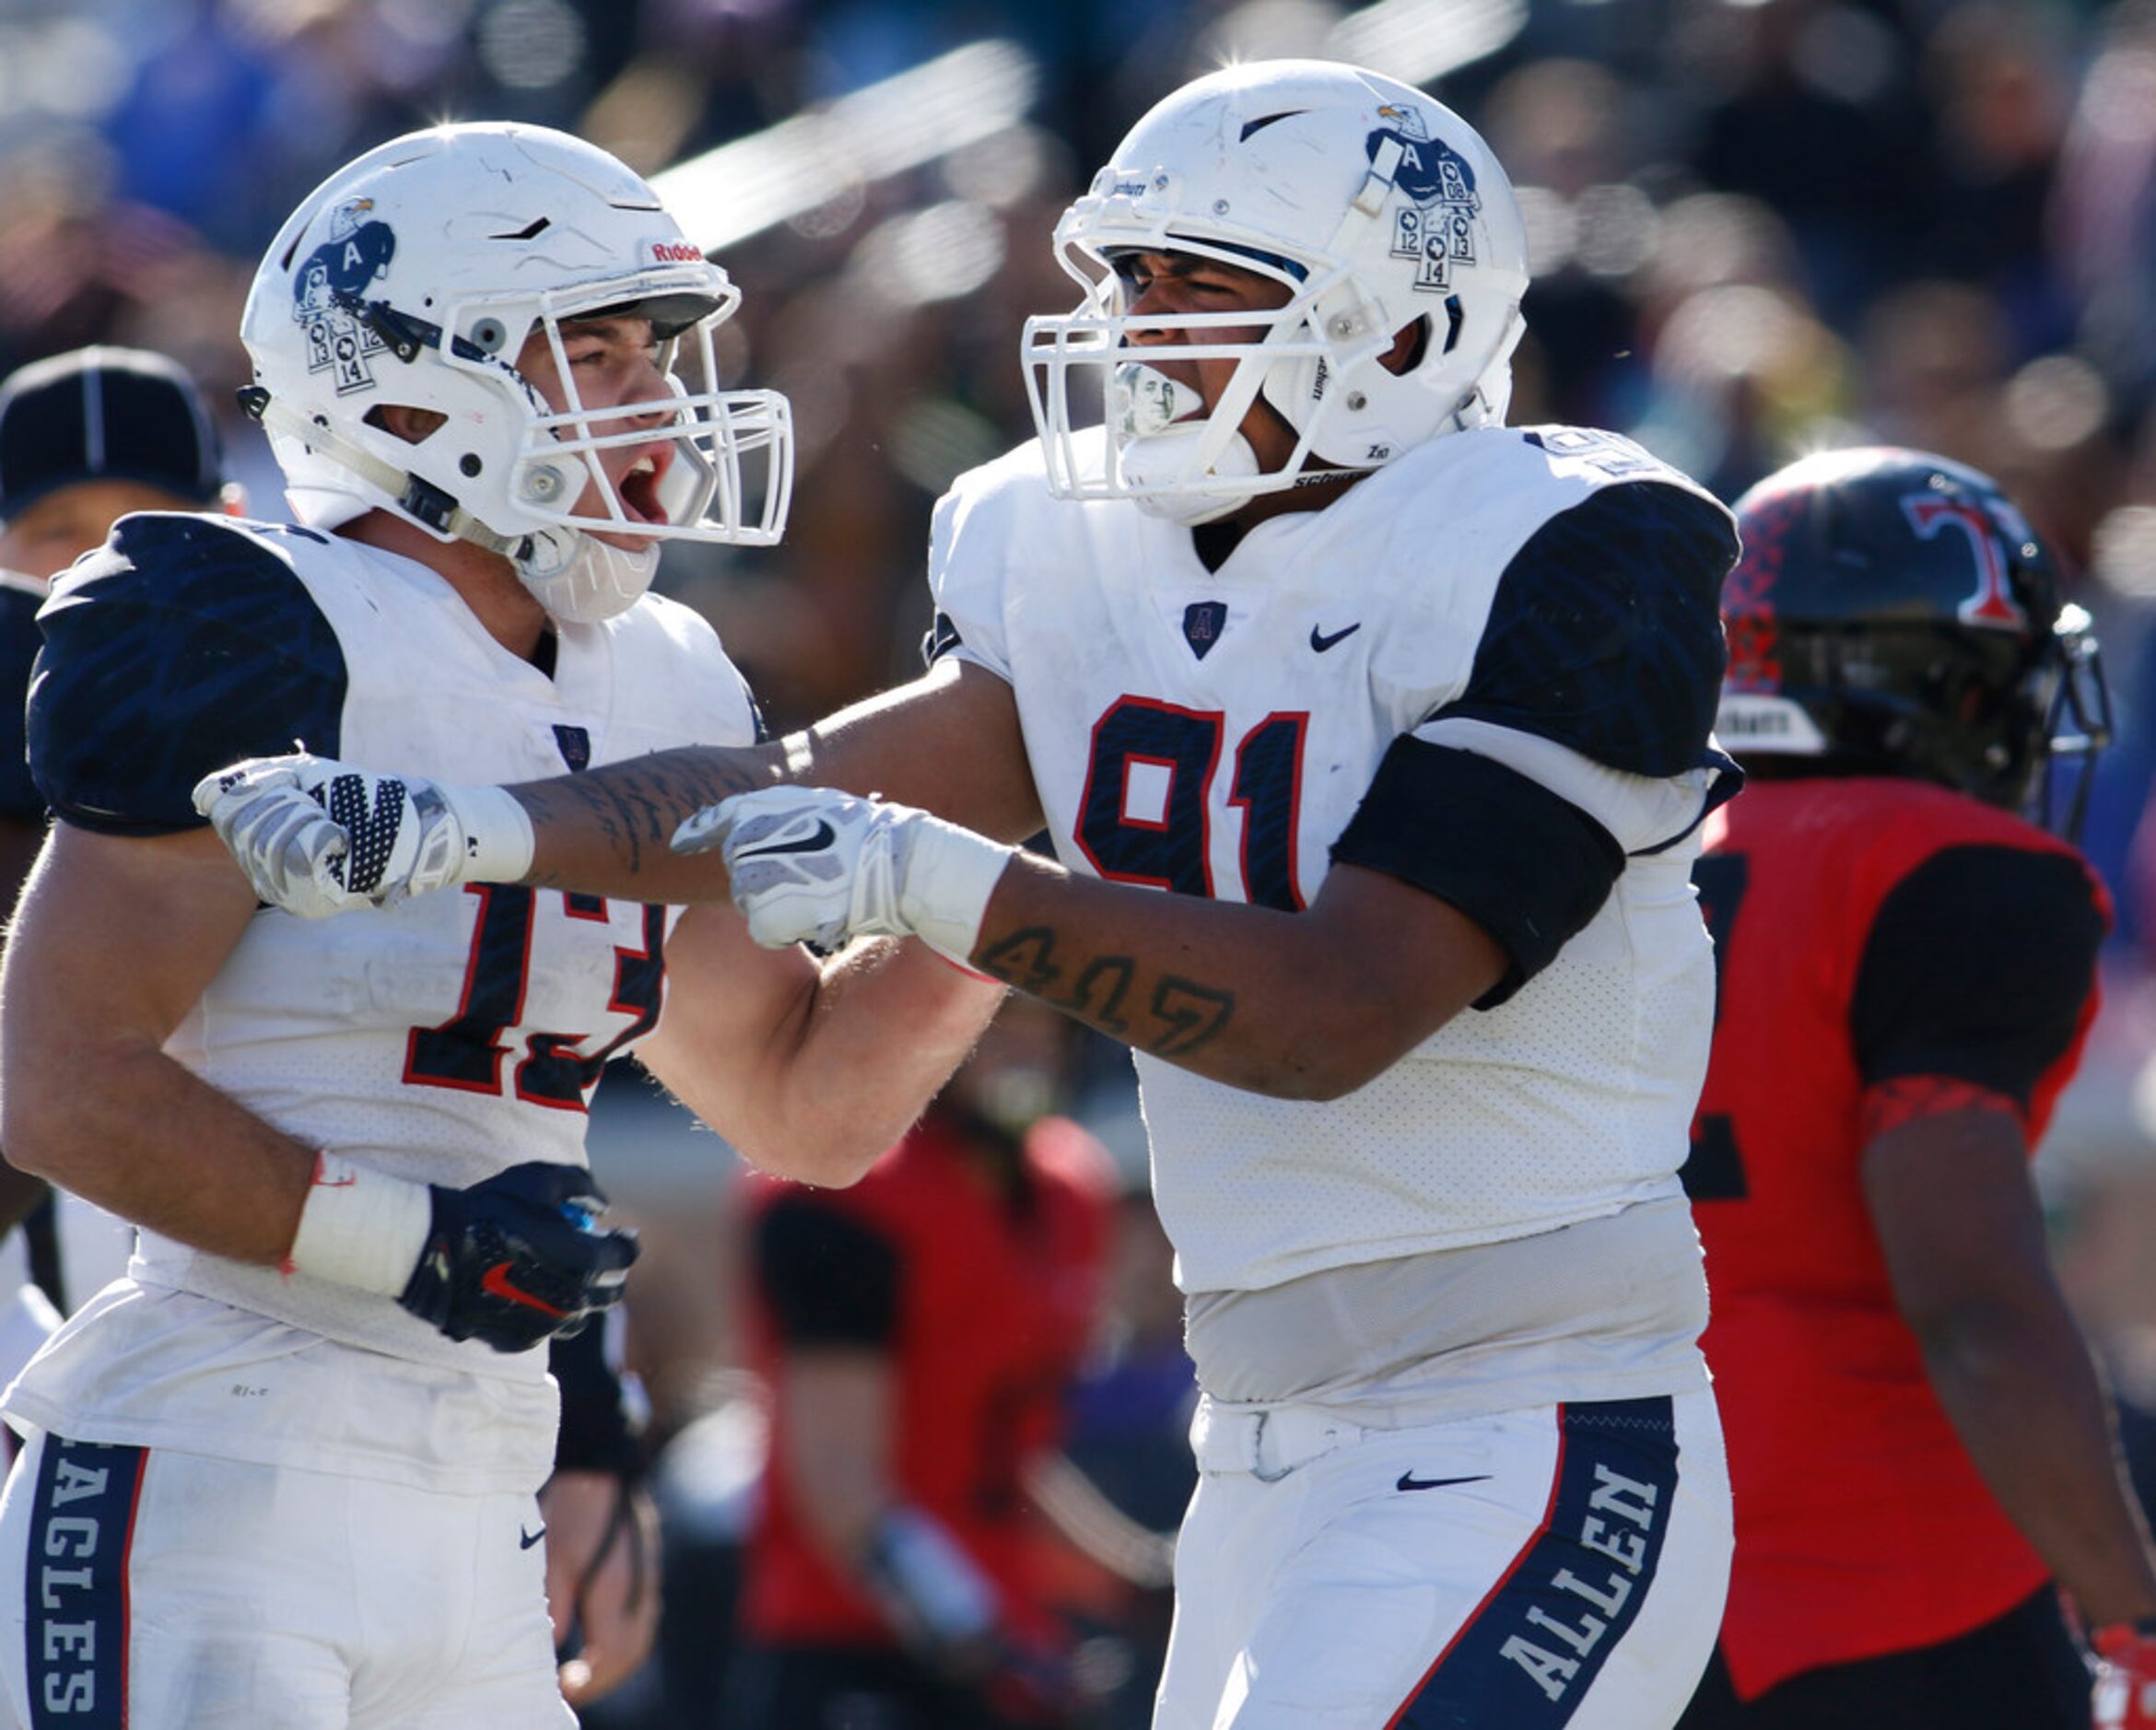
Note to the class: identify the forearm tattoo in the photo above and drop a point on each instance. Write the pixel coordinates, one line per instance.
(636, 805)
(1179, 1016)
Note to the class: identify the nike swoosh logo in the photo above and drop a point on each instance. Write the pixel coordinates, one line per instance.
(823, 837)
(496, 1282)
(526, 1539)
(1408, 1481)
(1321, 643)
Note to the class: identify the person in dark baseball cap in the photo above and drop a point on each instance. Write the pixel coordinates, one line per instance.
(88, 437)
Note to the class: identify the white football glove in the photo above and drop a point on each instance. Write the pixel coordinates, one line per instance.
(316, 836)
(811, 865)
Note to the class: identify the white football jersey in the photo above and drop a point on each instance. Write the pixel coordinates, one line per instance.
(440, 1040)
(1212, 733)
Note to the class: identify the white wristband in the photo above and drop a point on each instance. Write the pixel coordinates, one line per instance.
(360, 1227)
(498, 834)
(949, 875)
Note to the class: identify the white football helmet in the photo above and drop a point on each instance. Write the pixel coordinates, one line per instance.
(414, 276)
(1379, 208)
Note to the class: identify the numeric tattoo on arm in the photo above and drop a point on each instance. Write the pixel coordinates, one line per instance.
(640, 804)
(1194, 1015)
(1189, 1015)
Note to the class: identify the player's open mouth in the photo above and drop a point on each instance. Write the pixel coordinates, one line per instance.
(639, 488)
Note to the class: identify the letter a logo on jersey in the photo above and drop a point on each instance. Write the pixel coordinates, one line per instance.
(1202, 623)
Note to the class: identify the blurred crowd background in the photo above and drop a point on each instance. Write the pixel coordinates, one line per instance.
(1756, 227)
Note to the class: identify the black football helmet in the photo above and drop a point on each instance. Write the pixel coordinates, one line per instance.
(1894, 613)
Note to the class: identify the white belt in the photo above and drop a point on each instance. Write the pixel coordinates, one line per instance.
(1268, 1443)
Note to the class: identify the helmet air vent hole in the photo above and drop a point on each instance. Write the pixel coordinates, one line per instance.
(469, 464)
(530, 232)
(489, 336)
(1455, 318)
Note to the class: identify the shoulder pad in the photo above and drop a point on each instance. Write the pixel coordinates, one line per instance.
(1605, 631)
(183, 644)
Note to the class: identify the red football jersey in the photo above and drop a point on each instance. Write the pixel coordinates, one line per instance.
(987, 1314)
(1845, 962)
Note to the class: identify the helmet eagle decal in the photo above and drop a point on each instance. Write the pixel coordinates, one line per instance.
(324, 289)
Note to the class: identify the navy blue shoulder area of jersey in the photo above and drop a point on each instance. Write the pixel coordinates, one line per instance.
(183, 646)
(1605, 634)
(19, 650)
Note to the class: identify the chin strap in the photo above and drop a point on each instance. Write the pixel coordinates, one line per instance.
(417, 497)
(1362, 212)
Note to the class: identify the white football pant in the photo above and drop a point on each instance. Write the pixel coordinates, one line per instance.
(1561, 1566)
(224, 1595)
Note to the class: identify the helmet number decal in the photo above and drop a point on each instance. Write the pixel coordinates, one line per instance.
(1436, 226)
(336, 273)
(1993, 603)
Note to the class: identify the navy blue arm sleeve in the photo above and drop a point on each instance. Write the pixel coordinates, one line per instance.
(184, 645)
(1605, 636)
(1528, 867)
(1977, 967)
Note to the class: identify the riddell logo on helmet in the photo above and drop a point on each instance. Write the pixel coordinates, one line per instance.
(675, 252)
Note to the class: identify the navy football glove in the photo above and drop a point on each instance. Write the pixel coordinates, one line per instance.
(519, 1257)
